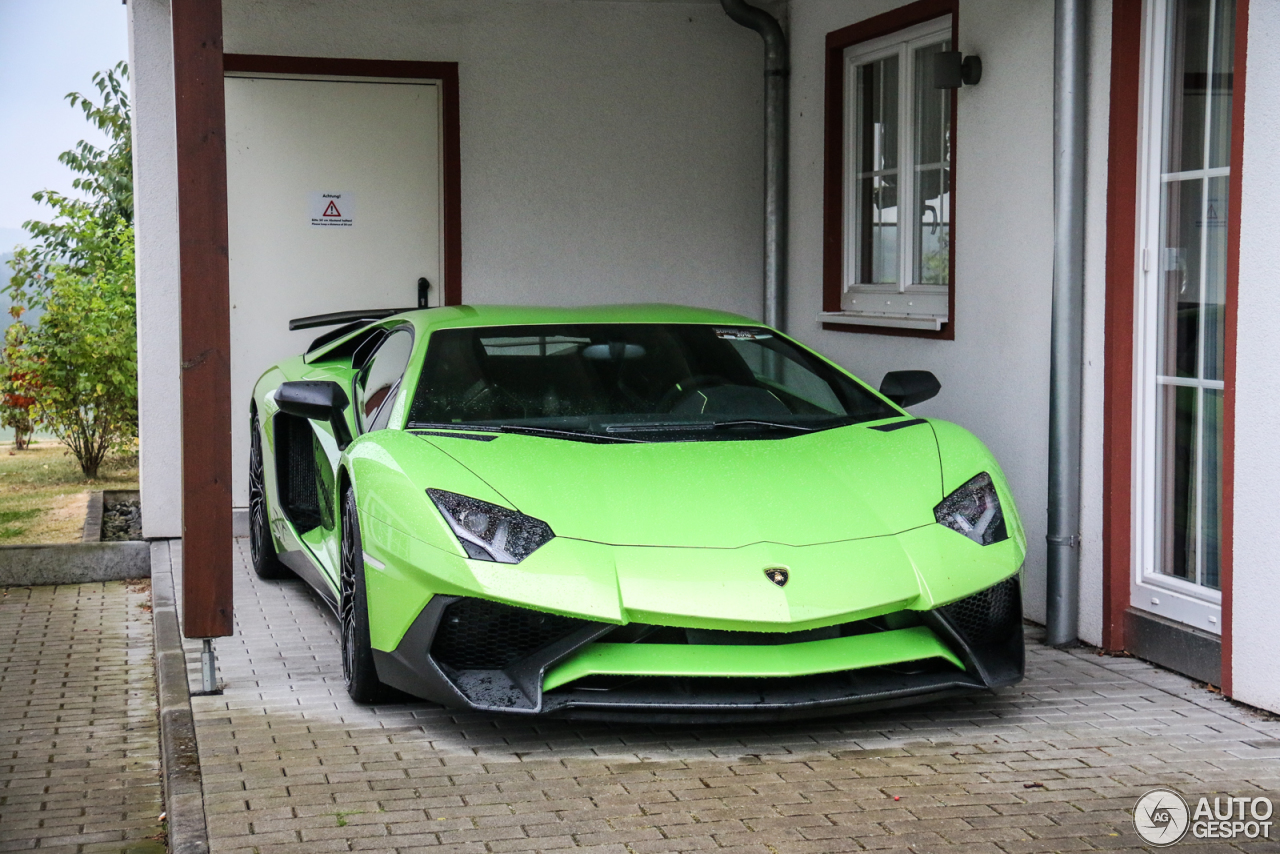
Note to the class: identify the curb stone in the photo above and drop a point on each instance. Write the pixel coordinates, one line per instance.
(73, 563)
(183, 785)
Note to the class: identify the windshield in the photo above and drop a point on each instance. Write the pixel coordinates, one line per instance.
(629, 382)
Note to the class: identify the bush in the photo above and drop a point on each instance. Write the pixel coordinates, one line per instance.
(15, 402)
(80, 364)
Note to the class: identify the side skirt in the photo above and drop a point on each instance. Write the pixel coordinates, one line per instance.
(300, 562)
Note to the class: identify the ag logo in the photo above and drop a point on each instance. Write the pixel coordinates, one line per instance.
(778, 575)
(1161, 817)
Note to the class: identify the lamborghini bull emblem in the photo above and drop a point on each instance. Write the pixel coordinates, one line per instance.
(778, 575)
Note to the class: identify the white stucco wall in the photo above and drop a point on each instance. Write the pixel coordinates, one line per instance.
(611, 152)
(155, 203)
(1095, 318)
(1255, 565)
(995, 374)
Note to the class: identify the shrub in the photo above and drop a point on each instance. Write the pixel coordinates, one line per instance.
(80, 363)
(15, 385)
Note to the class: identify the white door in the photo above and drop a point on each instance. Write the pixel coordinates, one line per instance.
(333, 203)
(1180, 328)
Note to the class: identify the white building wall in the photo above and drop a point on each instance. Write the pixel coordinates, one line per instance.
(1095, 319)
(155, 201)
(611, 152)
(1255, 643)
(995, 374)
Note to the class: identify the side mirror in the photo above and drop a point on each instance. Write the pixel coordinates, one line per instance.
(907, 388)
(317, 401)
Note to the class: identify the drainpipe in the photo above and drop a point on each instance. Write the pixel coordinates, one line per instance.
(777, 70)
(1071, 23)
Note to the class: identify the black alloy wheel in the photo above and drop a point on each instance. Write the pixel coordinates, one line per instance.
(358, 670)
(262, 548)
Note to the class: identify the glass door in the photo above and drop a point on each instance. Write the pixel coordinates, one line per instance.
(1181, 309)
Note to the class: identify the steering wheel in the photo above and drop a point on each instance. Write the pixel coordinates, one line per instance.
(681, 390)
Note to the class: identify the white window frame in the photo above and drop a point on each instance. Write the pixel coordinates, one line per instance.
(1151, 591)
(907, 304)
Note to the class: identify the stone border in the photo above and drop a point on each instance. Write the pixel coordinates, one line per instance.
(93, 518)
(73, 563)
(183, 784)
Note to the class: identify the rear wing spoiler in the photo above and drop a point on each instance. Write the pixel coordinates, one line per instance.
(341, 318)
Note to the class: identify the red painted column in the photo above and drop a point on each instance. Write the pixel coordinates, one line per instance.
(206, 318)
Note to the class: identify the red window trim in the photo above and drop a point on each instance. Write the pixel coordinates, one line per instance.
(833, 171)
(447, 74)
(1122, 238)
(1229, 339)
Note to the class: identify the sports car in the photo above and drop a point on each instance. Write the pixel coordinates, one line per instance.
(637, 512)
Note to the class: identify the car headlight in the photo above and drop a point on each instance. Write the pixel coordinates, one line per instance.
(974, 510)
(489, 532)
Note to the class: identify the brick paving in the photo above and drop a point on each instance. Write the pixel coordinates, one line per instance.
(79, 755)
(1055, 764)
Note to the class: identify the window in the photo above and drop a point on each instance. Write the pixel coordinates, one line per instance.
(1181, 311)
(889, 260)
(379, 381)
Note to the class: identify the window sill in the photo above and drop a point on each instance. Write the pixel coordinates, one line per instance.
(892, 321)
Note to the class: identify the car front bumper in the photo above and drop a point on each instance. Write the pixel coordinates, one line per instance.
(468, 652)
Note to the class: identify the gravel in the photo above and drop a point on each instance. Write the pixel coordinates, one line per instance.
(122, 520)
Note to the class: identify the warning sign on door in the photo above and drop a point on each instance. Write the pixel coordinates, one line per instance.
(333, 210)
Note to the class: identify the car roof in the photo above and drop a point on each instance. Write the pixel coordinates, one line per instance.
(462, 316)
(428, 320)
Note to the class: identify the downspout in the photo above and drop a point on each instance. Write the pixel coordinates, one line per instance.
(1071, 23)
(777, 71)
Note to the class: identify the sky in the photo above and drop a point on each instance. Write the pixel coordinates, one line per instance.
(47, 49)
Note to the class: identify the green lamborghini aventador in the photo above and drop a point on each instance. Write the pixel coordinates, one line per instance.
(630, 511)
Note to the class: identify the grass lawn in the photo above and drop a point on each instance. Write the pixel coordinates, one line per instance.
(43, 494)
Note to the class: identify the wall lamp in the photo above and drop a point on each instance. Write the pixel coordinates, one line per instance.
(951, 70)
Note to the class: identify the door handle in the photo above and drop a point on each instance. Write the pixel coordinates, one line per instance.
(423, 287)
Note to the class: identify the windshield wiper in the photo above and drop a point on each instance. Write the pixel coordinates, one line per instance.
(754, 422)
(660, 426)
(657, 426)
(553, 433)
(521, 429)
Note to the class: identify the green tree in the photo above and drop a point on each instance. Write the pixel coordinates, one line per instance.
(105, 180)
(79, 364)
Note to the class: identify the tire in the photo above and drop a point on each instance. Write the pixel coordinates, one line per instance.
(358, 670)
(262, 548)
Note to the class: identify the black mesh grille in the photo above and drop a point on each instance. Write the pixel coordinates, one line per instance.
(296, 471)
(987, 617)
(476, 634)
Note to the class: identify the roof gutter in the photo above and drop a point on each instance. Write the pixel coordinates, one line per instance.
(1071, 52)
(777, 72)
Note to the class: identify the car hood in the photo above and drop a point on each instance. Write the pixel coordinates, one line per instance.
(830, 486)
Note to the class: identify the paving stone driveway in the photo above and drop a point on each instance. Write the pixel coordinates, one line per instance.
(290, 765)
(79, 741)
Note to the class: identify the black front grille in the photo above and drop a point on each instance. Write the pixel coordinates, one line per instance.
(988, 617)
(476, 634)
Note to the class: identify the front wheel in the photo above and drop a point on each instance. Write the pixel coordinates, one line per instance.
(262, 548)
(358, 670)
